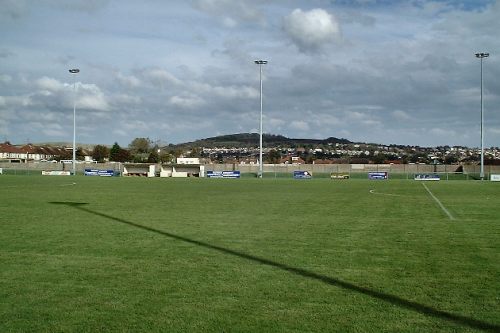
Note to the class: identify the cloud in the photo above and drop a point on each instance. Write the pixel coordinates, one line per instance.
(231, 12)
(401, 115)
(13, 9)
(232, 92)
(299, 125)
(370, 70)
(13, 102)
(4, 78)
(50, 84)
(158, 76)
(444, 132)
(130, 81)
(90, 96)
(188, 102)
(4, 53)
(89, 6)
(311, 30)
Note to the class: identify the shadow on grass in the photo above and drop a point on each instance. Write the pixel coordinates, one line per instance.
(392, 299)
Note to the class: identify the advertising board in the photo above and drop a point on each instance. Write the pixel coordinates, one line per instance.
(427, 177)
(56, 173)
(302, 175)
(378, 175)
(495, 178)
(336, 175)
(97, 172)
(223, 174)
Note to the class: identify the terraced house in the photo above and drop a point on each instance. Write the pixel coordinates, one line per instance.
(29, 152)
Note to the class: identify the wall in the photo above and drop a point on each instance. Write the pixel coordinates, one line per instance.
(354, 168)
(33, 167)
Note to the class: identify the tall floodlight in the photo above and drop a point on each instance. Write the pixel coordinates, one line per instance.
(481, 56)
(74, 71)
(260, 63)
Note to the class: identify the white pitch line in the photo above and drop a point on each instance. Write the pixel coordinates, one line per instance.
(439, 203)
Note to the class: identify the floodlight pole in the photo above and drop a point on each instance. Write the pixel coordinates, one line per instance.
(74, 71)
(260, 63)
(481, 56)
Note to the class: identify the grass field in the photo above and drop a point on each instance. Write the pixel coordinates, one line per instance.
(85, 254)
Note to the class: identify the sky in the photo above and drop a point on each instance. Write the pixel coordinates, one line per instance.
(378, 71)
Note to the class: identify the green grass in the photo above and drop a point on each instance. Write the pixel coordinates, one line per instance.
(247, 255)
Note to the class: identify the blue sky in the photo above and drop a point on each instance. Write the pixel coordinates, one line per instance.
(400, 72)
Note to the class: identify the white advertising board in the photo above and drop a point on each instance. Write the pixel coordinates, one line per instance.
(56, 173)
(495, 178)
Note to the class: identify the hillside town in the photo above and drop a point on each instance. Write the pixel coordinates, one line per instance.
(144, 150)
(354, 154)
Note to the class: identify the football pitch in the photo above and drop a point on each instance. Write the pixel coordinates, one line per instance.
(90, 254)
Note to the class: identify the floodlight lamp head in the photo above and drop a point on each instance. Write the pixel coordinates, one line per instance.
(482, 55)
(260, 62)
(74, 71)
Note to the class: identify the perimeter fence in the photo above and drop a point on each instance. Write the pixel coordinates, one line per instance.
(359, 171)
(354, 171)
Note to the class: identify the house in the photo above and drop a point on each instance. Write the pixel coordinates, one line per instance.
(12, 153)
(28, 152)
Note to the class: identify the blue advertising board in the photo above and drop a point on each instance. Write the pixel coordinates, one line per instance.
(378, 175)
(223, 174)
(97, 172)
(302, 175)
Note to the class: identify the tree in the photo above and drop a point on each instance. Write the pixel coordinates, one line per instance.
(419, 158)
(165, 157)
(118, 154)
(450, 159)
(153, 157)
(79, 154)
(310, 159)
(273, 156)
(140, 146)
(379, 158)
(195, 152)
(100, 153)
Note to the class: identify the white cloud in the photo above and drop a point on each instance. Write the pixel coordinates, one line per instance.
(231, 11)
(228, 92)
(493, 130)
(275, 122)
(135, 125)
(93, 102)
(127, 99)
(5, 78)
(361, 69)
(16, 101)
(311, 30)
(90, 96)
(299, 125)
(401, 115)
(229, 22)
(130, 81)
(160, 76)
(50, 84)
(13, 8)
(236, 92)
(442, 132)
(188, 102)
(355, 115)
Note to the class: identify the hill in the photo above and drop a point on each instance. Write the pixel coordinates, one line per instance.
(248, 140)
